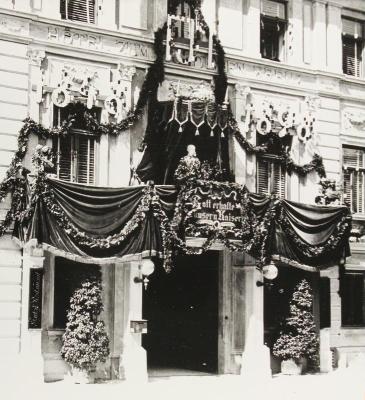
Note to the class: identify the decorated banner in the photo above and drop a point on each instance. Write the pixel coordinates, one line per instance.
(217, 207)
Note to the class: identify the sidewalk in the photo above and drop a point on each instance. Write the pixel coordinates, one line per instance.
(345, 384)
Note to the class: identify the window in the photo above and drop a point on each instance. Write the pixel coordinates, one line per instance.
(273, 27)
(352, 47)
(270, 177)
(75, 153)
(354, 178)
(78, 10)
(69, 276)
(352, 299)
(181, 28)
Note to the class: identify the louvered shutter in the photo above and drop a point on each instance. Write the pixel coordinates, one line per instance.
(273, 9)
(78, 10)
(352, 28)
(263, 176)
(64, 152)
(354, 178)
(278, 181)
(86, 160)
(351, 56)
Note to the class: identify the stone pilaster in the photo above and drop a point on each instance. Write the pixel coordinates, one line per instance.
(295, 33)
(334, 38)
(252, 28)
(319, 34)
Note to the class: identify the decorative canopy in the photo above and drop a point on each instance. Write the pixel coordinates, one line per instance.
(101, 224)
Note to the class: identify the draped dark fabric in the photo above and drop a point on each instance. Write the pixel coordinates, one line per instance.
(99, 212)
(172, 128)
(307, 234)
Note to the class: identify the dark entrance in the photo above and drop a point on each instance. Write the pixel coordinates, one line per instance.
(182, 313)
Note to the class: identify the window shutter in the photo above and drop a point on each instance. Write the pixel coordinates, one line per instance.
(353, 157)
(351, 56)
(273, 9)
(278, 180)
(86, 160)
(263, 177)
(64, 157)
(354, 180)
(352, 28)
(78, 10)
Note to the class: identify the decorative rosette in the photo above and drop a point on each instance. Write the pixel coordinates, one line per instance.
(263, 126)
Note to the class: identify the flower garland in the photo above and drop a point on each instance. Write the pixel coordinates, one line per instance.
(284, 158)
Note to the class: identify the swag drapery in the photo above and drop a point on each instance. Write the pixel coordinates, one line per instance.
(100, 224)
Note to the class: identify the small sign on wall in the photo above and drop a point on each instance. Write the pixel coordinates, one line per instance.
(139, 326)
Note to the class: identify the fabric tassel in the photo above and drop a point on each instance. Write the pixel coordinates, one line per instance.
(222, 134)
(211, 133)
(180, 129)
(197, 132)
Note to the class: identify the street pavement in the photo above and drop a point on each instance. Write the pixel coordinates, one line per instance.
(344, 384)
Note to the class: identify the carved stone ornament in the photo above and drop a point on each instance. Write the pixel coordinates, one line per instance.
(61, 97)
(201, 91)
(126, 72)
(354, 120)
(113, 105)
(77, 80)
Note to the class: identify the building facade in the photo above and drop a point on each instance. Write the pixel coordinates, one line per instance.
(295, 57)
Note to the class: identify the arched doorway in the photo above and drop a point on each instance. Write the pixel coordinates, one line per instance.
(182, 313)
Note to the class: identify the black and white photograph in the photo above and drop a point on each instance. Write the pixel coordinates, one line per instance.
(182, 199)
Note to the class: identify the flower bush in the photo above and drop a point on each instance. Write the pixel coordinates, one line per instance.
(85, 341)
(299, 337)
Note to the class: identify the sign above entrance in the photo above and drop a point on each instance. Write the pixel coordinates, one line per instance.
(212, 207)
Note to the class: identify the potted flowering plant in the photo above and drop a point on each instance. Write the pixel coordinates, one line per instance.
(85, 341)
(298, 343)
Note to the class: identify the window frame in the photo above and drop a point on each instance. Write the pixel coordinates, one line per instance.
(356, 41)
(351, 170)
(281, 37)
(74, 135)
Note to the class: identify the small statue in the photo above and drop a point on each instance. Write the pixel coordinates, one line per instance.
(188, 168)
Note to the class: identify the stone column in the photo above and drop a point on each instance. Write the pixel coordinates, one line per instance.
(31, 339)
(256, 356)
(252, 28)
(334, 38)
(319, 34)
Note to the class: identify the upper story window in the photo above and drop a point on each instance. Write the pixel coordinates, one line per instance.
(273, 28)
(75, 153)
(352, 47)
(78, 10)
(270, 176)
(354, 178)
(181, 28)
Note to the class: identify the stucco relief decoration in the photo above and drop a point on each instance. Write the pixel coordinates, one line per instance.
(201, 91)
(353, 120)
(36, 57)
(76, 82)
(118, 103)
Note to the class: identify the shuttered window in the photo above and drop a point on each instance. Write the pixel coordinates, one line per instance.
(79, 10)
(75, 154)
(270, 177)
(273, 28)
(181, 29)
(352, 47)
(354, 178)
